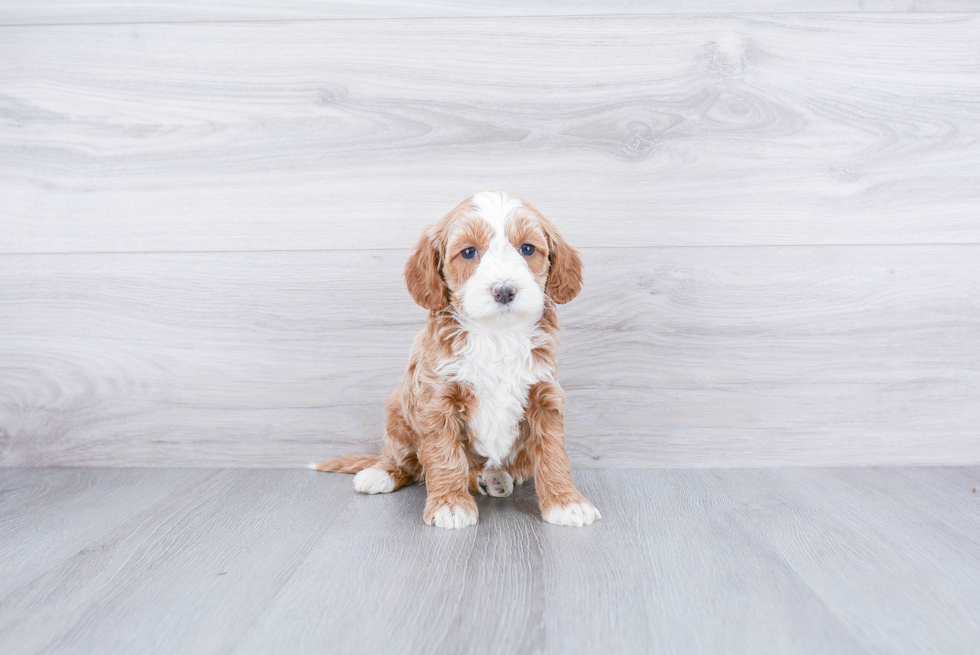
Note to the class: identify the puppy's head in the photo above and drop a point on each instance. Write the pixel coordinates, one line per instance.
(495, 259)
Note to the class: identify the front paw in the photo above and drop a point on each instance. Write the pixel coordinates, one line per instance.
(458, 513)
(574, 514)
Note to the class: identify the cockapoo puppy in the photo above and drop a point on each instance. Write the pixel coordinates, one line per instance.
(480, 408)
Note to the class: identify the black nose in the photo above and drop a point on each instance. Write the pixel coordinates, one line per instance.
(504, 294)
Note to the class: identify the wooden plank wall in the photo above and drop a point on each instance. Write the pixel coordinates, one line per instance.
(48, 12)
(205, 209)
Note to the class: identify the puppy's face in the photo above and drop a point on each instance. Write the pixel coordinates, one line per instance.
(495, 259)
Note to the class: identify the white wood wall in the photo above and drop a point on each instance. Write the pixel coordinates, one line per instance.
(205, 209)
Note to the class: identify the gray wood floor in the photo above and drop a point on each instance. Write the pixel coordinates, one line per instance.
(684, 561)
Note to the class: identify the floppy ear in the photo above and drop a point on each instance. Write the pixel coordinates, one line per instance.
(565, 273)
(424, 277)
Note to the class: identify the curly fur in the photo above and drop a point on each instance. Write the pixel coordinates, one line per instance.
(480, 393)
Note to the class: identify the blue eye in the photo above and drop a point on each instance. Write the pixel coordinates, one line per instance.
(469, 253)
(527, 250)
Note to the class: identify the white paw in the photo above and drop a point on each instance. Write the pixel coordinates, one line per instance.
(495, 483)
(373, 481)
(455, 517)
(576, 514)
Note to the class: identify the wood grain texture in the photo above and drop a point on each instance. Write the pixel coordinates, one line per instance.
(671, 357)
(28, 12)
(879, 539)
(185, 575)
(515, 584)
(640, 131)
(71, 507)
(745, 561)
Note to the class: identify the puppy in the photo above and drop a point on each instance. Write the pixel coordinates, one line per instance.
(479, 408)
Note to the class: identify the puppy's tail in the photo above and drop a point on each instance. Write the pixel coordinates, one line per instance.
(349, 464)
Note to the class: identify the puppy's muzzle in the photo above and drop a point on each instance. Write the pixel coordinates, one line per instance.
(504, 293)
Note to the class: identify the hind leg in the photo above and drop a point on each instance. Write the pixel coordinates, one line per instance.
(500, 482)
(494, 482)
(522, 467)
(380, 479)
(399, 463)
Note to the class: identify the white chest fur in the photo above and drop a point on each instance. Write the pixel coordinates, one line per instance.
(501, 369)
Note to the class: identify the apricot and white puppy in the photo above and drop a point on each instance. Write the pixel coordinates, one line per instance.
(479, 408)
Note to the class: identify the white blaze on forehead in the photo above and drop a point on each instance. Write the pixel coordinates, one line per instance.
(496, 358)
(495, 207)
(501, 263)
